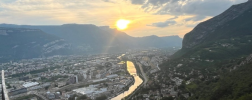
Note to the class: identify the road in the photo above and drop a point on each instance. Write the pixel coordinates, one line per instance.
(144, 75)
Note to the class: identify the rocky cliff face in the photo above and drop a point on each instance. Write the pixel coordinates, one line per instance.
(201, 31)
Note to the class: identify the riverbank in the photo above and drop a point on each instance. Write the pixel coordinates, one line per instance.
(139, 72)
(126, 88)
(138, 81)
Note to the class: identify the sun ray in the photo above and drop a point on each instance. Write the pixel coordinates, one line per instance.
(122, 24)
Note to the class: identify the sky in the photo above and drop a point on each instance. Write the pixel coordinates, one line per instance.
(147, 17)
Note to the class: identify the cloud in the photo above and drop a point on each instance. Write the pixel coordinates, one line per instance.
(166, 23)
(7, 1)
(173, 18)
(106, 0)
(196, 18)
(51, 11)
(138, 2)
(189, 7)
(199, 9)
(163, 24)
(110, 1)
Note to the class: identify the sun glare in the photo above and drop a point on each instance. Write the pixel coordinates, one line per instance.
(122, 24)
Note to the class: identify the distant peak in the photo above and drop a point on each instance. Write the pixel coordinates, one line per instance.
(171, 36)
(105, 27)
(152, 36)
(73, 24)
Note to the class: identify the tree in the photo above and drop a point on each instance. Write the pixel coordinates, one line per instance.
(8, 85)
(246, 97)
(46, 88)
(14, 87)
(103, 97)
(72, 97)
(167, 98)
(175, 88)
(82, 97)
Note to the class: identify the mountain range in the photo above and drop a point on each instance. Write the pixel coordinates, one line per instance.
(77, 39)
(19, 43)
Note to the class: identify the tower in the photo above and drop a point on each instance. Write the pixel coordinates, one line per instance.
(76, 79)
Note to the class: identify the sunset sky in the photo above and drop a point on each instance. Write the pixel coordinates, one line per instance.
(147, 17)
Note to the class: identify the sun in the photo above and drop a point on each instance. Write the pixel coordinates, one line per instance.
(122, 24)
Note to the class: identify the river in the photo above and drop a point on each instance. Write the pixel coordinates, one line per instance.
(138, 81)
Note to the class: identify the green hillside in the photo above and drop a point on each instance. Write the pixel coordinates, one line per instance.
(229, 40)
(217, 63)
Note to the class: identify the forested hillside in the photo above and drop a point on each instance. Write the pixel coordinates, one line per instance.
(218, 66)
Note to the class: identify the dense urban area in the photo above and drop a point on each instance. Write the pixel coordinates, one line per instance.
(94, 77)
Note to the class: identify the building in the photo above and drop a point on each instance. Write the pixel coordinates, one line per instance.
(19, 91)
(112, 76)
(30, 84)
(50, 95)
(91, 91)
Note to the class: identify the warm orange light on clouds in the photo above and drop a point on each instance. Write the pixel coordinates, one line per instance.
(122, 24)
(144, 18)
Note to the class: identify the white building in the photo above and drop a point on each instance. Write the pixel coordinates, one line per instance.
(91, 90)
(30, 84)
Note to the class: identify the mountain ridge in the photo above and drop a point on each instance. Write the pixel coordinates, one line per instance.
(99, 38)
(75, 39)
(200, 32)
(23, 43)
(220, 54)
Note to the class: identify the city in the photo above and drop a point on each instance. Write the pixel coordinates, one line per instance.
(65, 77)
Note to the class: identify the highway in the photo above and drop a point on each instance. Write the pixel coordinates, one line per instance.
(144, 75)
